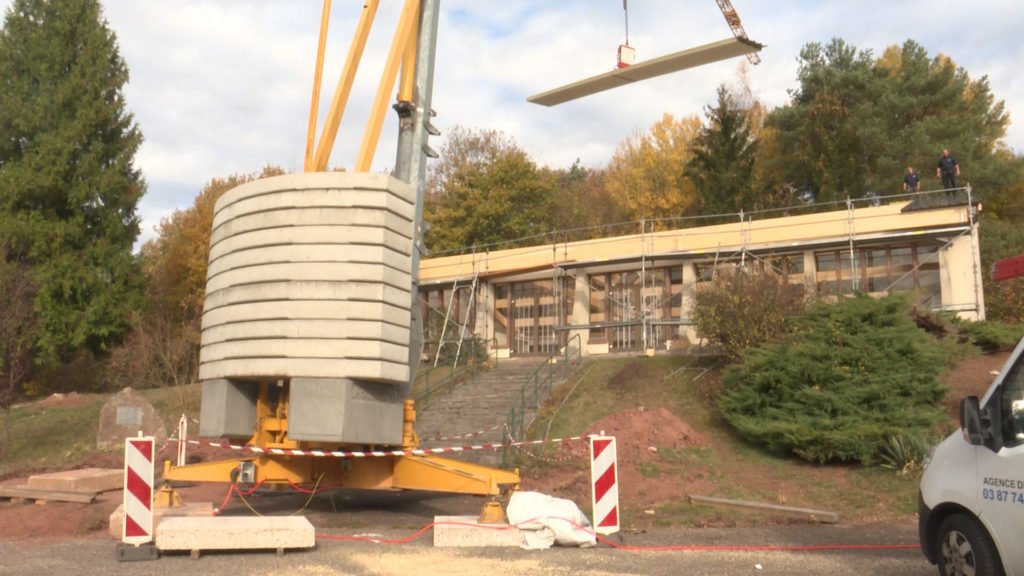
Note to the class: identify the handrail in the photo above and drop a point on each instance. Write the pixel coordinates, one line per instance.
(536, 388)
(450, 377)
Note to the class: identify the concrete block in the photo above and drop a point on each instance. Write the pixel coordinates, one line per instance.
(335, 217)
(312, 234)
(318, 181)
(308, 328)
(467, 531)
(84, 480)
(356, 201)
(116, 520)
(300, 272)
(234, 533)
(257, 368)
(345, 411)
(228, 408)
(131, 553)
(308, 290)
(303, 309)
(312, 254)
(305, 348)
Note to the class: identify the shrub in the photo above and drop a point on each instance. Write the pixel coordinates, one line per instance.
(993, 336)
(745, 307)
(905, 454)
(846, 377)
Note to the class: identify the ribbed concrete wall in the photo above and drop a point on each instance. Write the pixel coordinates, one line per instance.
(309, 277)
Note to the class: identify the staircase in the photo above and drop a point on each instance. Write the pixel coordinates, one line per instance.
(481, 404)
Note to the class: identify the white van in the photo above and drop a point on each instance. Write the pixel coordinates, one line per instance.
(971, 502)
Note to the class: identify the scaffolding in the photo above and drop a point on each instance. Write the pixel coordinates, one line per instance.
(636, 305)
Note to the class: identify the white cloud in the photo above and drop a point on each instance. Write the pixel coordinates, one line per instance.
(221, 87)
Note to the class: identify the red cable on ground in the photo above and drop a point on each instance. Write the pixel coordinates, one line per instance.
(231, 488)
(632, 548)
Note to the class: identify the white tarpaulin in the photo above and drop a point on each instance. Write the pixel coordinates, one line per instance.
(545, 520)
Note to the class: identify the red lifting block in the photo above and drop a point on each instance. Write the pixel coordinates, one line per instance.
(1008, 268)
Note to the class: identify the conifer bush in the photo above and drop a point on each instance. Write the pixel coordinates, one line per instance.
(845, 378)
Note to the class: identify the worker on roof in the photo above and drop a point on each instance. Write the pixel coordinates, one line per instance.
(948, 169)
(911, 181)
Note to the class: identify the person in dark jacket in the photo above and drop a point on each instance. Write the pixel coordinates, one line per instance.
(948, 170)
(911, 181)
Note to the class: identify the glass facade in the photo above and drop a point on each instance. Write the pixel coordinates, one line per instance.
(630, 310)
(882, 270)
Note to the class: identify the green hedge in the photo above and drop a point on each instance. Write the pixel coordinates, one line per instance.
(846, 377)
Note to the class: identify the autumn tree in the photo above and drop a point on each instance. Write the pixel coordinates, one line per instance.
(163, 348)
(485, 190)
(645, 174)
(68, 184)
(584, 208)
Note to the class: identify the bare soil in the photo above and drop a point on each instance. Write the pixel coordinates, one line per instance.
(660, 462)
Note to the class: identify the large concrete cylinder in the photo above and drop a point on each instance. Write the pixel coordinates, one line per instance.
(309, 281)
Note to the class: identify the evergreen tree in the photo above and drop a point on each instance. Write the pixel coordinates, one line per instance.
(855, 122)
(722, 167)
(847, 376)
(68, 186)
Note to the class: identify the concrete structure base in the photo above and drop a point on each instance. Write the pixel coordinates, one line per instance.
(187, 509)
(84, 480)
(467, 531)
(196, 534)
(130, 553)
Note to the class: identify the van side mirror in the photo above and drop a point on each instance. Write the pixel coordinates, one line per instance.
(970, 421)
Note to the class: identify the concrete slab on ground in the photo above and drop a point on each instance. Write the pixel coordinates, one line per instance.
(468, 531)
(186, 509)
(197, 534)
(84, 480)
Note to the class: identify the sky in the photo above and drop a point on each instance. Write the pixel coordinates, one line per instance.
(220, 87)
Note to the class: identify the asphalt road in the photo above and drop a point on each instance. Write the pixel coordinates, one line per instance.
(399, 516)
(330, 558)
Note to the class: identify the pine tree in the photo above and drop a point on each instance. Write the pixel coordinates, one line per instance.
(68, 185)
(722, 167)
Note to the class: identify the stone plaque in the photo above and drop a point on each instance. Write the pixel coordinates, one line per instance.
(129, 416)
(125, 415)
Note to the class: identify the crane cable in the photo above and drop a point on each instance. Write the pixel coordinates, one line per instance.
(625, 10)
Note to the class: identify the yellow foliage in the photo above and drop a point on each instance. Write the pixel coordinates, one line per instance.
(646, 172)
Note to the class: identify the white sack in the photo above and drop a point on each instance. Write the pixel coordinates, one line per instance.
(545, 520)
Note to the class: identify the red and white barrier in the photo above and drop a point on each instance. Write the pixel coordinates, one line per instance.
(604, 479)
(182, 433)
(138, 491)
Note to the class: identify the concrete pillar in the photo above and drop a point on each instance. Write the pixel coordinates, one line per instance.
(688, 302)
(581, 309)
(810, 272)
(961, 285)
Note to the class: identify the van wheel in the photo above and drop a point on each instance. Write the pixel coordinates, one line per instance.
(965, 548)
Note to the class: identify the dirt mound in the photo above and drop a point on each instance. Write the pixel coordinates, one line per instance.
(645, 440)
(971, 377)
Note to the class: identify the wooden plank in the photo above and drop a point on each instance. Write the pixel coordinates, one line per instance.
(675, 62)
(823, 516)
(48, 495)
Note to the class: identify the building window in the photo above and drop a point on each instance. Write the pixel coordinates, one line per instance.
(882, 270)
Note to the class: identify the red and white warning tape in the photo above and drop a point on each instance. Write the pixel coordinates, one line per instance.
(377, 453)
(462, 436)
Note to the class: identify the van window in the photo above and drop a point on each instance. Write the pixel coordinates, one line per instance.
(1012, 406)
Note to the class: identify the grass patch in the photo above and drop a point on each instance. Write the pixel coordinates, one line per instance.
(724, 465)
(60, 436)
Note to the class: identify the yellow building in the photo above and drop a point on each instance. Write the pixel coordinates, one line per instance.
(636, 292)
